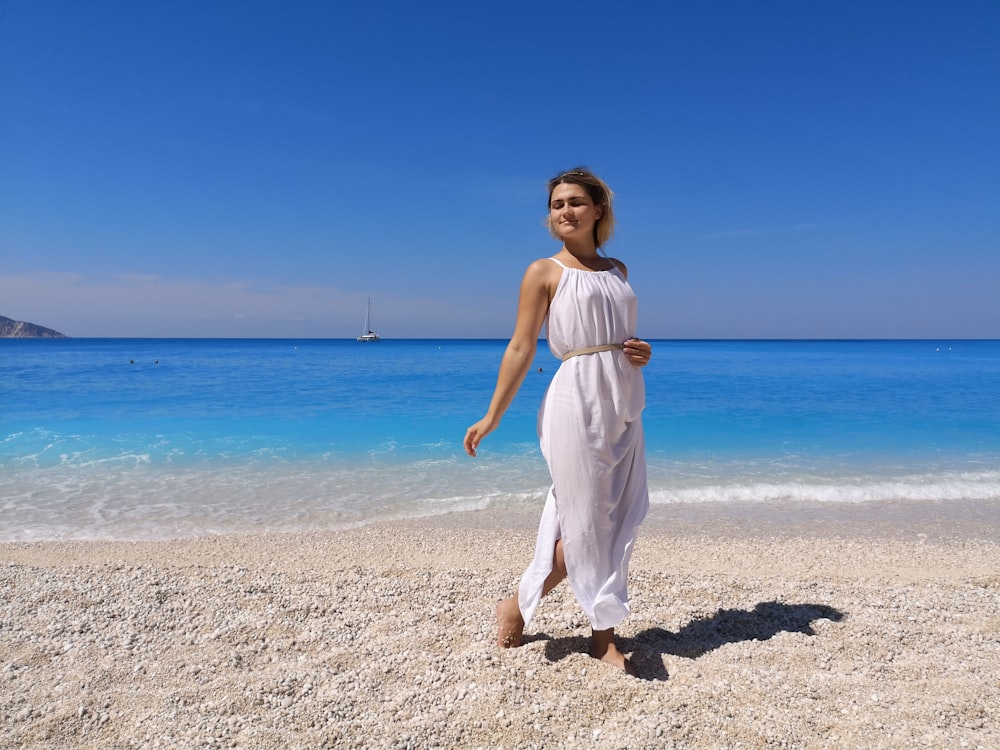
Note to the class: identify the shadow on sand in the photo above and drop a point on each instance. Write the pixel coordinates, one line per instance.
(705, 634)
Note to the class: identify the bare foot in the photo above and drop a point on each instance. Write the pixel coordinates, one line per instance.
(616, 658)
(510, 624)
(604, 648)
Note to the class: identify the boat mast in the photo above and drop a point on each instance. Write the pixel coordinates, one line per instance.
(368, 334)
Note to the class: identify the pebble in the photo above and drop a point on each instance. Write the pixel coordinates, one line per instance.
(352, 640)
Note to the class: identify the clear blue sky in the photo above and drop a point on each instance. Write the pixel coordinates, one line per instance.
(782, 169)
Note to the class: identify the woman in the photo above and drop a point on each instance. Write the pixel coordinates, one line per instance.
(589, 424)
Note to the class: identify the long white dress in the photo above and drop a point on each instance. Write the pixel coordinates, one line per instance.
(590, 429)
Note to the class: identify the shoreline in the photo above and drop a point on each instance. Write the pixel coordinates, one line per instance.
(804, 629)
(922, 519)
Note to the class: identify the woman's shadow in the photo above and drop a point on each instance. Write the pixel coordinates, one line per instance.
(706, 634)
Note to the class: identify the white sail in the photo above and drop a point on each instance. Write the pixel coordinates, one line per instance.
(368, 335)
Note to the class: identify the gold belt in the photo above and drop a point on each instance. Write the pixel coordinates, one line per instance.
(592, 350)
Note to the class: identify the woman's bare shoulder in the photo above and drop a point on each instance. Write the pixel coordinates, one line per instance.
(621, 266)
(543, 269)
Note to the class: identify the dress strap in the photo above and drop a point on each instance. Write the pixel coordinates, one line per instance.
(557, 262)
(592, 350)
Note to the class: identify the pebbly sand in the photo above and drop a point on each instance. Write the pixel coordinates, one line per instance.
(878, 627)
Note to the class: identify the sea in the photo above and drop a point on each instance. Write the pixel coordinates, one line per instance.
(133, 439)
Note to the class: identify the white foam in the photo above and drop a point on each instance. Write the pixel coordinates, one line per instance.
(917, 487)
(129, 498)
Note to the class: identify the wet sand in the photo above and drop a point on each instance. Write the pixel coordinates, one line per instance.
(867, 627)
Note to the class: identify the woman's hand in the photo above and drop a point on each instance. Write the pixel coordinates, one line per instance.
(477, 432)
(638, 352)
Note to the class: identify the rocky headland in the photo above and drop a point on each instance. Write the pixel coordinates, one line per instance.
(16, 329)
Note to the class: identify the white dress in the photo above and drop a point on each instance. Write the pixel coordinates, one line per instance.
(590, 430)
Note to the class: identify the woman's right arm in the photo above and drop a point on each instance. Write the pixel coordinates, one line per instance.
(537, 287)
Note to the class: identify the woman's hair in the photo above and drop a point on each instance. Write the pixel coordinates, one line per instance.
(599, 193)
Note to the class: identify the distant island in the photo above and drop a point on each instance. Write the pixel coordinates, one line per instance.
(16, 329)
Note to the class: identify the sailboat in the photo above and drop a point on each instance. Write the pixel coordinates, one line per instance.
(369, 335)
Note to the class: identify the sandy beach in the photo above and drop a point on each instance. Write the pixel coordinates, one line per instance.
(811, 628)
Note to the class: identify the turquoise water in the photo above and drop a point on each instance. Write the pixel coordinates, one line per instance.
(120, 438)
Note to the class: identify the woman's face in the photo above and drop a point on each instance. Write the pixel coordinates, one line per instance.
(572, 213)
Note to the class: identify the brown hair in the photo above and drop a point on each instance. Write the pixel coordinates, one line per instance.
(599, 193)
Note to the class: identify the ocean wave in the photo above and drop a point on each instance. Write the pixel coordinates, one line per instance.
(918, 488)
(128, 498)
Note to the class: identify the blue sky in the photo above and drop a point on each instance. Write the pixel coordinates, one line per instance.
(782, 169)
